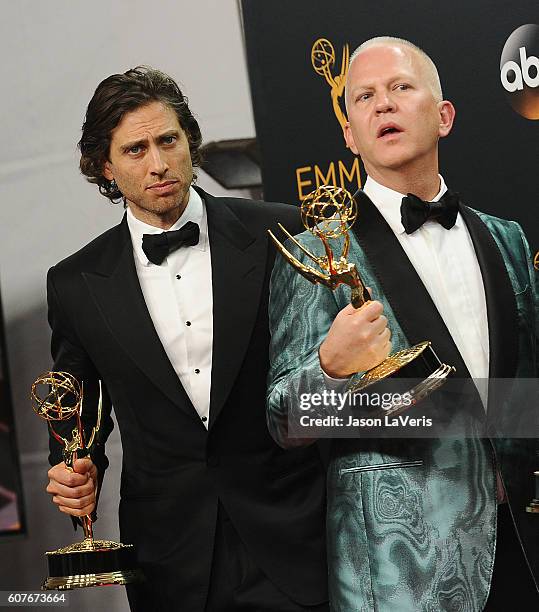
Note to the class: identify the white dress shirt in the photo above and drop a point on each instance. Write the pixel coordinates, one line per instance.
(446, 262)
(179, 297)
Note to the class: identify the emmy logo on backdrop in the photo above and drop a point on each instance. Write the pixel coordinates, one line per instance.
(56, 397)
(323, 60)
(329, 213)
(345, 171)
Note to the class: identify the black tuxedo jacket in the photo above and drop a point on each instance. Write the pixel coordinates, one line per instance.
(175, 471)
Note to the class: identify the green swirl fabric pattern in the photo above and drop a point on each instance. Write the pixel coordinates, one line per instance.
(411, 523)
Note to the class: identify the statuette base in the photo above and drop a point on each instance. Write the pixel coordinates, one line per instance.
(91, 563)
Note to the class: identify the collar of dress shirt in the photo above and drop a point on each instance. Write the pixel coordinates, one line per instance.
(194, 211)
(388, 202)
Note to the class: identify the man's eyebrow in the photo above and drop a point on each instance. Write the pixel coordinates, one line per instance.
(171, 132)
(133, 143)
(361, 85)
(401, 76)
(143, 141)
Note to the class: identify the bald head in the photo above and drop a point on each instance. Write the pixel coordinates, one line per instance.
(427, 67)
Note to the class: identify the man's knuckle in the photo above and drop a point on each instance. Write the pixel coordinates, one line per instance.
(84, 491)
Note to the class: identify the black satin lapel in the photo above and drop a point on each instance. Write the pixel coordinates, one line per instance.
(238, 267)
(501, 304)
(401, 285)
(121, 303)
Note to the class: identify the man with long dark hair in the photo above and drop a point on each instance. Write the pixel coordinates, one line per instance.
(169, 310)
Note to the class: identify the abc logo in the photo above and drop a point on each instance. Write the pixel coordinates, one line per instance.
(519, 70)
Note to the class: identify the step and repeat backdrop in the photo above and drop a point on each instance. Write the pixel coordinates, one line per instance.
(488, 60)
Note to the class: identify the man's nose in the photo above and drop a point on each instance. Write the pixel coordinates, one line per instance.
(158, 163)
(384, 103)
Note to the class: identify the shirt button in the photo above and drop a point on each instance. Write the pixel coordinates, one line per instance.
(188, 323)
(178, 276)
(197, 371)
(203, 419)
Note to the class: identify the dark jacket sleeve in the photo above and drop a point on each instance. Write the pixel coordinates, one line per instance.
(69, 356)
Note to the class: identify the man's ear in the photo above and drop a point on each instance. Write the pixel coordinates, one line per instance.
(447, 117)
(349, 138)
(107, 172)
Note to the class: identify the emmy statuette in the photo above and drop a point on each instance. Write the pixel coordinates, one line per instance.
(329, 213)
(58, 396)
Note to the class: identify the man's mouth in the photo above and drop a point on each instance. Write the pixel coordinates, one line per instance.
(387, 129)
(162, 186)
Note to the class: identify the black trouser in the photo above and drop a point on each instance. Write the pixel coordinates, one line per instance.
(237, 583)
(512, 586)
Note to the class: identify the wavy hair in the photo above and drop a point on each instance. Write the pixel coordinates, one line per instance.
(117, 95)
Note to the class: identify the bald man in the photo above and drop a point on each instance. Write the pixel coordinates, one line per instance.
(413, 525)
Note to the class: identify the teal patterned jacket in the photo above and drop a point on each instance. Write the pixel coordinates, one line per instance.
(412, 523)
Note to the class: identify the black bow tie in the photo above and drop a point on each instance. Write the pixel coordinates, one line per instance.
(414, 212)
(158, 246)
